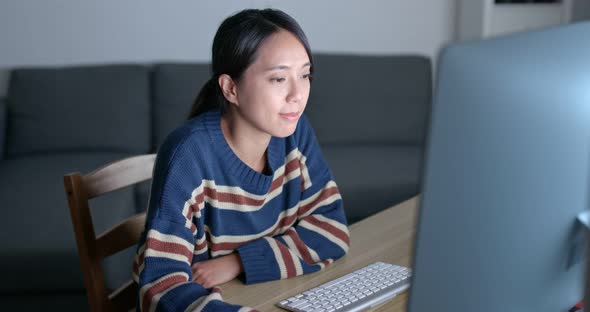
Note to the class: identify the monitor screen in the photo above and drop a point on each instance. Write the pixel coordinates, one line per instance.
(507, 172)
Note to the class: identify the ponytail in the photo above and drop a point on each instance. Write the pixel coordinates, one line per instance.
(210, 97)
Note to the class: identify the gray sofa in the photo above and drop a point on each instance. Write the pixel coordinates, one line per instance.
(369, 112)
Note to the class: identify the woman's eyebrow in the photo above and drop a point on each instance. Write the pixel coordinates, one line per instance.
(278, 67)
(281, 67)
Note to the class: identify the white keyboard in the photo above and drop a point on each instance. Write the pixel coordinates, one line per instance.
(364, 288)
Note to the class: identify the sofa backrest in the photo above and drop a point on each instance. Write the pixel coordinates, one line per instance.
(370, 99)
(83, 108)
(175, 87)
(132, 108)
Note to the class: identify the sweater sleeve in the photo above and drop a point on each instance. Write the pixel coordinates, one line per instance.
(173, 227)
(319, 235)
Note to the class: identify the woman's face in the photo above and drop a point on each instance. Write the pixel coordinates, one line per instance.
(273, 91)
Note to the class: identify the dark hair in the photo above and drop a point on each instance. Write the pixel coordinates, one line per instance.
(234, 49)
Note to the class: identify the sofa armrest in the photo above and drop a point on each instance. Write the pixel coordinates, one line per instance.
(3, 126)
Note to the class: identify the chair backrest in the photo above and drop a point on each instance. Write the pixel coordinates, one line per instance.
(92, 249)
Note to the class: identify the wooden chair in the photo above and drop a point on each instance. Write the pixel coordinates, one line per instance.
(93, 249)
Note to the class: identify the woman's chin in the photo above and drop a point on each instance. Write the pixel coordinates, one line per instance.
(284, 132)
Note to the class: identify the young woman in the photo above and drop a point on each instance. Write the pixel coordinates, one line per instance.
(241, 189)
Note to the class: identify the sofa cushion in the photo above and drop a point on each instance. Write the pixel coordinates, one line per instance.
(38, 248)
(2, 126)
(86, 108)
(372, 178)
(370, 99)
(175, 88)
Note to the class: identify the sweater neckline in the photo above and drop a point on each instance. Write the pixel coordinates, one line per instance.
(235, 165)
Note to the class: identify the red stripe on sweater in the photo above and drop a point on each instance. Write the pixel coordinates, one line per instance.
(201, 246)
(199, 198)
(189, 217)
(302, 182)
(169, 247)
(190, 214)
(287, 259)
(232, 198)
(160, 287)
(323, 195)
(301, 246)
(223, 246)
(329, 228)
(243, 199)
(292, 166)
(277, 183)
(194, 210)
(285, 221)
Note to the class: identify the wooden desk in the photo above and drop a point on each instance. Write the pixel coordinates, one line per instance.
(387, 236)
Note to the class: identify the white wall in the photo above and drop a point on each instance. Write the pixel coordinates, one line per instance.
(66, 32)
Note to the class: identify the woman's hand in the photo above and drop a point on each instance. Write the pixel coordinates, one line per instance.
(217, 271)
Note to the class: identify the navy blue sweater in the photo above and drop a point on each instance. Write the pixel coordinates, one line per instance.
(205, 203)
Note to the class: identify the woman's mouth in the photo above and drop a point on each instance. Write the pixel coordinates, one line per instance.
(290, 116)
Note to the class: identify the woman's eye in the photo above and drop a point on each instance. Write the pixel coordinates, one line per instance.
(306, 76)
(277, 79)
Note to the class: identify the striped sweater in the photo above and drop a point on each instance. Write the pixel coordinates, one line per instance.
(205, 202)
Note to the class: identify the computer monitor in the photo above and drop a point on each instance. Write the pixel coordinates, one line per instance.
(507, 171)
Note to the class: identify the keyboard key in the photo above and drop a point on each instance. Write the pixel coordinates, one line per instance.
(305, 306)
(297, 303)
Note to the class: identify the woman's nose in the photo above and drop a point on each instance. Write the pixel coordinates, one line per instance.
(295, 92)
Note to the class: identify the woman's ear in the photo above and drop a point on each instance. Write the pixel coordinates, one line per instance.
(228, 88)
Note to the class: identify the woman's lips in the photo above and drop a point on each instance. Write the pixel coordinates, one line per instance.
(290, 116)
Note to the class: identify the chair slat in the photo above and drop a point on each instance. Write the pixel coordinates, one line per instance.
(92, 249)
(119, 174)
(121, 236)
